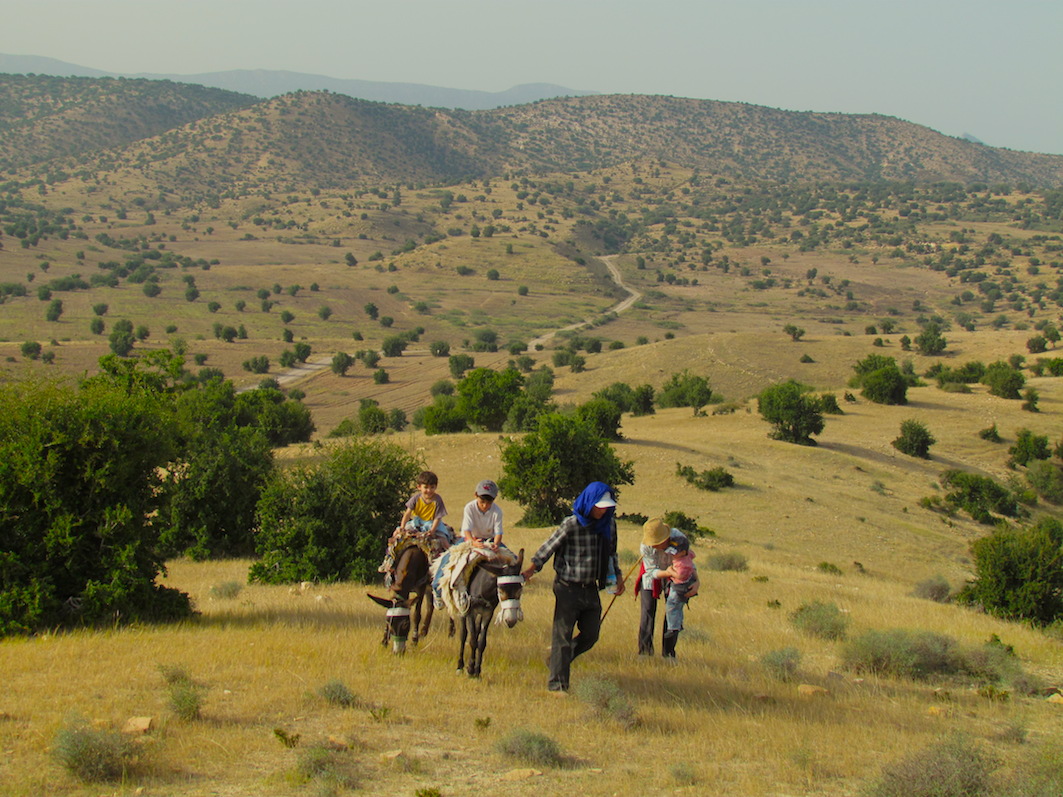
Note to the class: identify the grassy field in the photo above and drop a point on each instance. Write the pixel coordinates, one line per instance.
(261, 656)
(840, 522)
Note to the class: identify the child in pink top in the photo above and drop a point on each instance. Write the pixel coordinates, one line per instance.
(682, 575)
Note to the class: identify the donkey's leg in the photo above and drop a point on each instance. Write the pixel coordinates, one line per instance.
(482, 626)
(429, 611)
(415, 621)
(461, 642)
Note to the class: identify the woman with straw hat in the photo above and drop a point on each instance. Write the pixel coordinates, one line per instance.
(658, 539)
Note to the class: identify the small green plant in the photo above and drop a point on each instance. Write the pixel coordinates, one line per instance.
(186, 701)
(823, 620)
(687, 525)
(991, 434)
(782, 664)
(331, 768)
(94, 754)
(829, 568)
(428, 791)
(482, 723)
(380, 714)
(732, 560)
(713, 480)
(606, 700)
(532, 747)
(186, 696)
(914, 440)
(336, 693)
(286, 738)
(226, 590)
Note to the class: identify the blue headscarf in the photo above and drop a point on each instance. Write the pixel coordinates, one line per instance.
(583, 505)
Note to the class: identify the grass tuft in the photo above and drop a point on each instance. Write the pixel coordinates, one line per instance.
(732, 560)
(782, 664)
(954, 767)
(822, 620)
(606, 700)
(94, 754)
(336, 693)
(531, 747)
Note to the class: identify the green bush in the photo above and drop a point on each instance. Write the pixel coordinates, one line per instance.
(915, 440)
(822, 620)
(714, 479)
(323, 522)
(94, 754)
(1028, 447)
(1003, 380)
(79, 469)
(981, 497)
(795, 414)
(685, 390)
(955, 767)
(1018, 574)
(531, 747)
(1047, 479)
(688, 525)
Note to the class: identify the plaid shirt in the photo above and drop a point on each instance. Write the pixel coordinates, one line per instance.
(580, 555)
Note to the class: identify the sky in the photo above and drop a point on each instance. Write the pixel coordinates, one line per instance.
(992, 69)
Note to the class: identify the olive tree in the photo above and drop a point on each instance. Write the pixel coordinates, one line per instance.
(547, 468)
(793, 411)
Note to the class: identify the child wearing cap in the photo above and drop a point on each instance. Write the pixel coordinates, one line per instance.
(481, 522)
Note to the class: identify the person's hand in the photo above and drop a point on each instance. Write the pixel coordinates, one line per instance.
(528, 574)
(619, 587)
(693, 589)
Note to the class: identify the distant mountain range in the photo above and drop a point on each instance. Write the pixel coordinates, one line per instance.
(202, 142)
(272, 83)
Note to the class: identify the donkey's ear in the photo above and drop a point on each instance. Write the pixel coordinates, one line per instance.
(385, 602)
(520, 560)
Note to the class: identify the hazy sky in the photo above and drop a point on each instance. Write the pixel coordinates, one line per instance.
(990, 68)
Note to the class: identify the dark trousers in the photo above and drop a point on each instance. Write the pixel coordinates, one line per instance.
(574, 607)
(647, 618)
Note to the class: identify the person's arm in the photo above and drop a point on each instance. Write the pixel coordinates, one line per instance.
(546, 550)
(497, 522)
(440, 513)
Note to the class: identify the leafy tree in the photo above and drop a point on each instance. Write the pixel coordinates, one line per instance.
(350, 259)
(549, 466)
(371, 310)
(31, 349)
(371, 419)
(1047, 479)
(930, 341)
(1003, 380)
(341, 363)
(603, 415)
(96, 325)
(1028, 448)
(795, 332)
(282, 420)
(443, 416)
(211, 493)
(979, 496)
(459, 364)
(915, 439)
(324, 312)
(885, 386)
(121, 338)
(793, 412)
(1018, 574)
(1038, 344)
(287, 316)
(439, 348)
(393, 346)
(54, 310)
(485, 396)
(79, 476)
(643, 401)
(302, 351)
(1030, 399)
(685, 390)
(323, 522)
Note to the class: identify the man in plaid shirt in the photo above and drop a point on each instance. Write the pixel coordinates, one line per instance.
(584, 551)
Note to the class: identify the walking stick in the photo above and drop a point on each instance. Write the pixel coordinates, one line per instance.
(610, 606)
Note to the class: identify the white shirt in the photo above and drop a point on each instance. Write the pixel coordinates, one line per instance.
(482, 525)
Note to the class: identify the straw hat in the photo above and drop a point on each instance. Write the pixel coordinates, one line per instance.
(655, 531)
